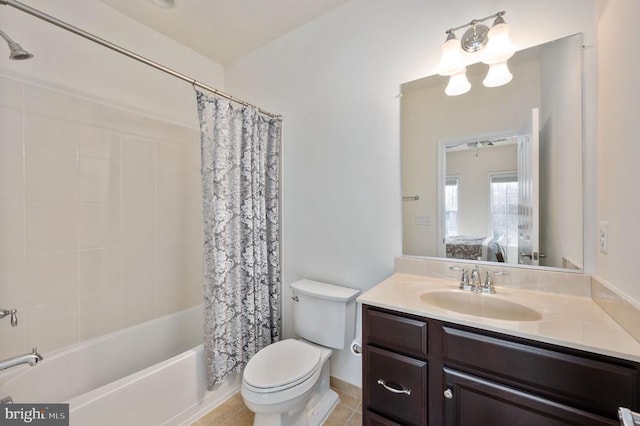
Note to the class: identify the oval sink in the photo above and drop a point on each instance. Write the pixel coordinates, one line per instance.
(480, 305)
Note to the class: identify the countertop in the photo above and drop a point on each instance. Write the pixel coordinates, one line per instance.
(571, 321)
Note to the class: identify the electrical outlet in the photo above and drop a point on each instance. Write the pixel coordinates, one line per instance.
(603, 237)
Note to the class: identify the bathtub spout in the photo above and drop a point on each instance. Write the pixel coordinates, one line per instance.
(32, 359)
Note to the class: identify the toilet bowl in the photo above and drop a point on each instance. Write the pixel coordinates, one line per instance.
(287, 382)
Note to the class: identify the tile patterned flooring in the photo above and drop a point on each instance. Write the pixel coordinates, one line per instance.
(233, 412)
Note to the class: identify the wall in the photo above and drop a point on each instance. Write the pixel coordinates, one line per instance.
(560, 139)
(473, 185)
(618, 149)
(336, 81)
(99, 190)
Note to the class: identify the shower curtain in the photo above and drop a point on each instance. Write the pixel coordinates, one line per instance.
(240, 184)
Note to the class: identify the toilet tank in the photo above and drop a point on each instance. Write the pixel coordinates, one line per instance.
(324, 313)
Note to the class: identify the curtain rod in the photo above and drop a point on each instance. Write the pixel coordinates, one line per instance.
(48, 18)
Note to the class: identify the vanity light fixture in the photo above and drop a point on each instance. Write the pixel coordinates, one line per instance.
(494, 45)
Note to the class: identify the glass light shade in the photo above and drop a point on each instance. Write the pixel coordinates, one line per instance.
(498, 75)
(499, 48)
(451, 61)
(458, 84)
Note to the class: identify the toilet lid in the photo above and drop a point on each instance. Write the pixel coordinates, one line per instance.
(287, 362)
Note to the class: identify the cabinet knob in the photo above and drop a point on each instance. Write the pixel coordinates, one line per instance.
(394, 387)
(448, 394)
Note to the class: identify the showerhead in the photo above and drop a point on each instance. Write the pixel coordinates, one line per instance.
(16, 53)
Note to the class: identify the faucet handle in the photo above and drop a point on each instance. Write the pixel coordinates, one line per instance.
(464, 279)
(488, 286)
(14, 317)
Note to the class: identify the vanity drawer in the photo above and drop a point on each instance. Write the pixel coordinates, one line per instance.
(396, 387)
(401, 334)
(591, 384)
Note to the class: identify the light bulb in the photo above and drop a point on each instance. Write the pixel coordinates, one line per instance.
(499, 48)
(458, 84)
(451, 61)
(497, 75)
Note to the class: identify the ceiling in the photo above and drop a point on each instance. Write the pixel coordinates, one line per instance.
(225, 30)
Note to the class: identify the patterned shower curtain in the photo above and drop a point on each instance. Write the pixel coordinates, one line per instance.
(240, 184)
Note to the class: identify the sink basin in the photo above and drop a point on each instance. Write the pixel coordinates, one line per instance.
(480, 305)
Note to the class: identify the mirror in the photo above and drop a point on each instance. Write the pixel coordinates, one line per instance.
(495, 174)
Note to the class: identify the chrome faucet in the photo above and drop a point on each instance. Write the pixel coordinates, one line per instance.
(464, 279)
(13, 313)
(32, 359)
(476, 282)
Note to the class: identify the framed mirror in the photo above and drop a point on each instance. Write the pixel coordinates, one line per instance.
(495, 175)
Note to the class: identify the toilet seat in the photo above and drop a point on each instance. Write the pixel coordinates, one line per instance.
(281, 365)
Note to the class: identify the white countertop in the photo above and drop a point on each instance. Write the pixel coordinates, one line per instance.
(570, 321)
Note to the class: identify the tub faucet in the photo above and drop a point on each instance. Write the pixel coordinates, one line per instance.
(32, 359)
(13, 313)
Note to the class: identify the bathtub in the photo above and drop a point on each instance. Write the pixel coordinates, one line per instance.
(148, 374)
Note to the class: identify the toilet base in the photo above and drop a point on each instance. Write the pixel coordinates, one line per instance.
(315, 413)
(319, 413)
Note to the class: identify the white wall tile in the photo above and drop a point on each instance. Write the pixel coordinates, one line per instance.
(11, 175)
(185, 156)
(51, 227)
(176, 294)
(99, 270)
(51, 135)
(179, 222)
(138, 223)
(99, 314)
(99, 180)
(138, 264)
(12, 338)
(51, 326)
(11, 129)
(50, 103)
(13, 291)
(51, 277)
(138, 149)
(11, 94)
(139, 304)
(99, 143)
(179, 187)
(99, 225)
(138, 183)
(51, 177)
(12, 229)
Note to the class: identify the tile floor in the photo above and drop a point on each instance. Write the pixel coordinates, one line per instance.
(233, 412)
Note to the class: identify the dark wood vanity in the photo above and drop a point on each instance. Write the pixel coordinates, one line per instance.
(421, 371)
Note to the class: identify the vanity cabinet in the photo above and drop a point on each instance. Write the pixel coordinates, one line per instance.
(420, 371)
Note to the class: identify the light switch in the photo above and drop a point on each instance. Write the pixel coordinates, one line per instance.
(423, 219)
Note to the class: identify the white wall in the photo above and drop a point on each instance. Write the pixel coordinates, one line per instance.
(560, 139)
(473, 169)
(618, 171)
(336, 82)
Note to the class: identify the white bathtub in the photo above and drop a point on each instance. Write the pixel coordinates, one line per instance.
(149, 374)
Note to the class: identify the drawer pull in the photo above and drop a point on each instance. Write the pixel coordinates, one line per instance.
(448, 394)
(394, 389)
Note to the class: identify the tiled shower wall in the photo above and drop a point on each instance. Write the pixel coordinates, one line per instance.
(100, 218)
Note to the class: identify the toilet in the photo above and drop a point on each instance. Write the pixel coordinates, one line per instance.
(287, 382)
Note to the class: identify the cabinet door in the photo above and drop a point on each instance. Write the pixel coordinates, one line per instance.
(471, 401)
(396, 386)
